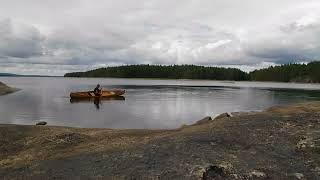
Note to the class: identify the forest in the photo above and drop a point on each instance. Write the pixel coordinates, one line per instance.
(309, 73)
(166, 72)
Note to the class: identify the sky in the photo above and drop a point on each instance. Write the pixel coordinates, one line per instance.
(53, 37)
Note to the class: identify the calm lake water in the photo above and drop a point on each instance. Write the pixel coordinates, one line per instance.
(150, 104)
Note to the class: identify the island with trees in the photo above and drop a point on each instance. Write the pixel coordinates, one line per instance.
(307, 73)
(166, 72)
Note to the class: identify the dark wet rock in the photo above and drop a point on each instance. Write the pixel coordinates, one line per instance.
(41, 123)
(223, 115)
(214, 172)
(204, 120)
(221, 171)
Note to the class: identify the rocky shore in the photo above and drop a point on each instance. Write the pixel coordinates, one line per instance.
(278, 143)
(4, 89)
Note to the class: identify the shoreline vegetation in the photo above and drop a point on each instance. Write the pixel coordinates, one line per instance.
(302, 73)
(282, 142)
(4, 89)
(166, 72)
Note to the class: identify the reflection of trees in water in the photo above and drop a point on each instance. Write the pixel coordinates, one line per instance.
(285, 96)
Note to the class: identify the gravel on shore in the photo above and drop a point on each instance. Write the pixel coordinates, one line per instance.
(279, 143)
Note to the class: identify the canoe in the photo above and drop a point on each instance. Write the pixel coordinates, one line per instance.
(93, 99)
(90, 94)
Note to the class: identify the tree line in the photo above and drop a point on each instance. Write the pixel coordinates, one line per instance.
(309, 73)
(169, 72)
(284, 73)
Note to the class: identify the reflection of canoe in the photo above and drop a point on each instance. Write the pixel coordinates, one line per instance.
(92, 99)
(90, 94)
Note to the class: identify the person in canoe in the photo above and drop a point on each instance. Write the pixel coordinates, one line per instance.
(97, 91)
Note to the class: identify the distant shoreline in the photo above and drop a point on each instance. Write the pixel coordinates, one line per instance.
(305, 73)
(16, 75)
(231, 81)
(287, 73)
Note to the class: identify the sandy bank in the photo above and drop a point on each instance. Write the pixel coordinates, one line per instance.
(281, 142)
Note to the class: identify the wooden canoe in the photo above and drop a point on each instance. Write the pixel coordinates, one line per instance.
(90, 94)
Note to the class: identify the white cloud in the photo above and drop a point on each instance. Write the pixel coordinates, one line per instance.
(84, 34)
(19, 40)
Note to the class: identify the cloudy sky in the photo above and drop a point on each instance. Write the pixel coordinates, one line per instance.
(58, 36)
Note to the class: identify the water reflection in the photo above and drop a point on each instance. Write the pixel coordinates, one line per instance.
(96, 101)
(147, 104)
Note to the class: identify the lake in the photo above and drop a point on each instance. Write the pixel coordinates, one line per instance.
(153, 104)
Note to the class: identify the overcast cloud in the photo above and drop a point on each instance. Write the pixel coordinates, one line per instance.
(55, 37)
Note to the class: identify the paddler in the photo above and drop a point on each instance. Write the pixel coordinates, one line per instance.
(97, 91)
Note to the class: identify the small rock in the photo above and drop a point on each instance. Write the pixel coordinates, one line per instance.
(227, 166)
(210, 172)
(223, 115)
(213, 172)
(301, 144)
(198, 171)
(258, 174)
(41, 123)
(305, 143)
(316, 170)
(235, 176)
(298, 175)
(204, 120)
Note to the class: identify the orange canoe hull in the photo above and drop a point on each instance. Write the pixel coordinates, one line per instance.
(90, 94)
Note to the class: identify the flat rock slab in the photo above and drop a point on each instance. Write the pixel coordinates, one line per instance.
(4, 89)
